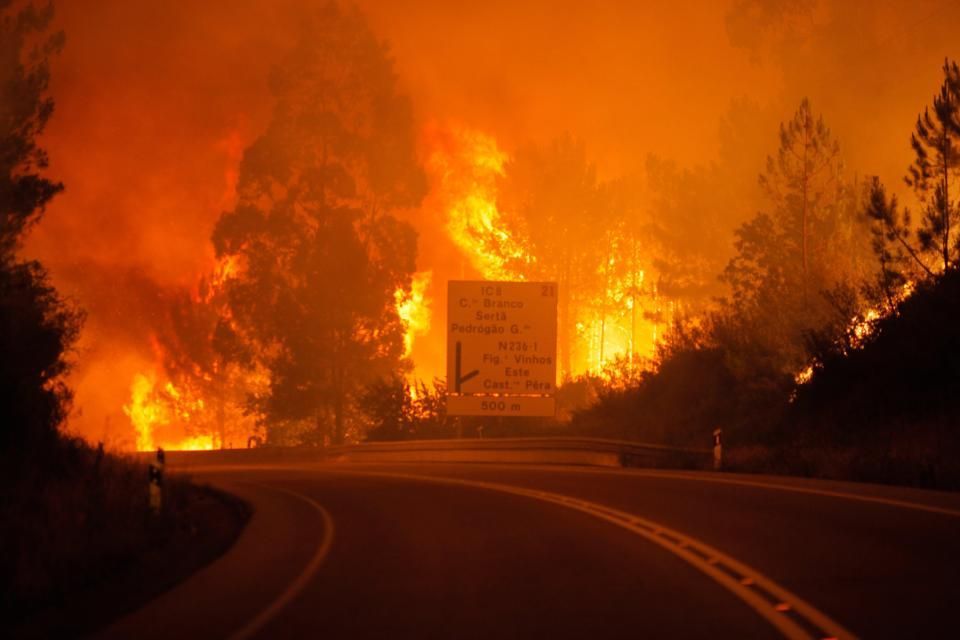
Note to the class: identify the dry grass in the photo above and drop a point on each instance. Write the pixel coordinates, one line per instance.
(74, 520)
(908, 460)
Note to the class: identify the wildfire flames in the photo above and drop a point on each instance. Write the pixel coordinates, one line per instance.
(478, 108)
(863, 326)
(615, 320)
(465, 167)
(181, 416)
(151, 409)
(414, 309)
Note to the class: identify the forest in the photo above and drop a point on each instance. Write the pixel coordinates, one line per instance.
(745, 289)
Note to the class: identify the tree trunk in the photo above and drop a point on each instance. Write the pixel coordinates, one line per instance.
(603, 332)
(221, 410)
(338, 429)
(564, 302)
(946, 204)
(318, 422)
(338, 406)
(803, 207)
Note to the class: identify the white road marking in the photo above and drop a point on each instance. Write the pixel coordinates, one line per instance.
(294, 588)
(721, 478)
(663, 474)
(757, 591)
(775, 486)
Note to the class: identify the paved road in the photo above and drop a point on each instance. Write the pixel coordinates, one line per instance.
(442, 551)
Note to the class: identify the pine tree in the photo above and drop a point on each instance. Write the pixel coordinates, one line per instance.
(935, 170)
(25, 109)
(37, 328)
(803, 181)
(790, 260)
(551, 201)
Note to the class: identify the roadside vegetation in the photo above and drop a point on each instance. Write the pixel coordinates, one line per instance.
(835, 354)
(73, 519)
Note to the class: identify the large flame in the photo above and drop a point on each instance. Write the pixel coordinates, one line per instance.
(413, 307)
(150, 409)
(465, 167)
(143, 413)
(863, 326)
(612, 326)
(617, 321)
(196, 411)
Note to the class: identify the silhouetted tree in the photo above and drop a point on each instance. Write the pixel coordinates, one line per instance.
(25, 108)
(36, 327)
(811, 243)
(906, 254)
(935, 170)
(398, 410)
(388, 405)
(899, 261)
(320, 254)
(803, 181)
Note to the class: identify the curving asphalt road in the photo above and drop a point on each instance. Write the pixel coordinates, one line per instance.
(341, 550)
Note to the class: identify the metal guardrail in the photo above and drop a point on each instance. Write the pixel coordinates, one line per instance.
(558, 450)
(546, 450)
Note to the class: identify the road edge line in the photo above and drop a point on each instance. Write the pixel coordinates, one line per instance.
(776, 486)
(252, 627)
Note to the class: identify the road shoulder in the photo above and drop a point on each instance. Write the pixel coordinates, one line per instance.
(209, 524)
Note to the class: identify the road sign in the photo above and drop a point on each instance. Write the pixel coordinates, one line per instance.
(501, 348)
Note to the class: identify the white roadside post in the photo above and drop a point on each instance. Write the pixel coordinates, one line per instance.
(717, 449)
(156, 482)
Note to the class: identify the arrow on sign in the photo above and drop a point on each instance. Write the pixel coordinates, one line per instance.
(460, 379)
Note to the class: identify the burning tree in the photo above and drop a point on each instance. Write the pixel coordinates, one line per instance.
(544, 214)
(321, 255)
(552, 203)
(211, 372)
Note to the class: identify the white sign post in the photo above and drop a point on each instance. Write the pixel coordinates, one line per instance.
(501, 348)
